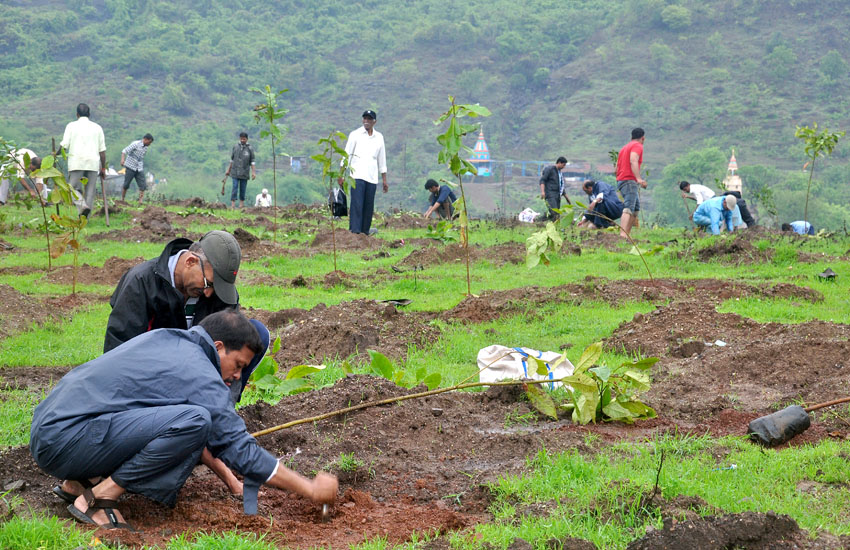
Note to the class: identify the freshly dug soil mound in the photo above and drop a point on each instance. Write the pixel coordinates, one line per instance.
(745, 531)
(712, 361)
(109, 274)
(345, 329)
(346, 240)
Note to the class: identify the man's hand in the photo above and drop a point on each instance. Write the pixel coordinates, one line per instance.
(254, 176)
(325, 487)
(642, 183)
(386, 187)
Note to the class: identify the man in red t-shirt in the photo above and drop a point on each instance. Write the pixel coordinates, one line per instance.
(628, 179)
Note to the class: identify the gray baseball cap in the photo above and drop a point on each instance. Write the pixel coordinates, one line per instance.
(224, 254)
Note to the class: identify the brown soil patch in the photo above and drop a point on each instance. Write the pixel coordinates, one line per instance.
(402, 220)
(745, 531)
(19, 312)
(109, 274)
(346, 329)
(760, 367)
(436, 254)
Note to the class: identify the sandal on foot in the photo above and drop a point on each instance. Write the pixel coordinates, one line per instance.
(95, 504)
(71, 497)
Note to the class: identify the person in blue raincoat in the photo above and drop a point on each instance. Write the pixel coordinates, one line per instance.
(712, 212)
(137, 418)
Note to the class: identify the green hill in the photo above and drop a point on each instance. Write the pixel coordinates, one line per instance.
(566, 78)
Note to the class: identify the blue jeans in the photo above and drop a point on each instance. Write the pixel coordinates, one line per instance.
(362, 206)
(631, 198)
(241, 186)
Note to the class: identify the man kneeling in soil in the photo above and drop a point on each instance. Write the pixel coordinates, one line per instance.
(138, 418)
(604, 206)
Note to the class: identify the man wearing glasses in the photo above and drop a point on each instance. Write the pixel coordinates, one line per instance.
(188, 281)
(185, 284)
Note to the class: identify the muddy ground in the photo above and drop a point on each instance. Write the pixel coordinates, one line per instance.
(425, 463)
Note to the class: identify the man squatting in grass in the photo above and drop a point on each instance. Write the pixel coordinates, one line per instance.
(138, 417)
(603, 207)
(16, 163)
(552, 187)
(367, 158)
(185, 284)
(628, 179)
(709, 214)
(241, 160)
(800, 227)
(441, 198)
(86, 147)
(133, 161)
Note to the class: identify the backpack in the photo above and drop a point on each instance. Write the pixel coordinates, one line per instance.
(338, 202)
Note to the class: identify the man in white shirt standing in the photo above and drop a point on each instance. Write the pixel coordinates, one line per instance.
(86, 147)
(695, 192)
(367, 159)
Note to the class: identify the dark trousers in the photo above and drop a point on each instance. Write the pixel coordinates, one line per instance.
(149, 451)
(240, 186)
(362, 206)
(553, 200)
(746, 217)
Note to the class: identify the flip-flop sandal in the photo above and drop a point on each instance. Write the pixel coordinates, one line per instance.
(95, 504)
(70, 497)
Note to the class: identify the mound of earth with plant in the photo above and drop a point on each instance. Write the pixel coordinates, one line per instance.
(346, 329)
(506, 253)
(345, 240)
(714, 361)
(402, 220)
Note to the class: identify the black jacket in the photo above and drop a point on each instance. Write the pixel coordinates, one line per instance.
(550, 180)
(145, 299)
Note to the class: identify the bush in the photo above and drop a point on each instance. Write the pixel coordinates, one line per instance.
(676, 17)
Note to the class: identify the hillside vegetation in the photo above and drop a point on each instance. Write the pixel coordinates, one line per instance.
(566, 78)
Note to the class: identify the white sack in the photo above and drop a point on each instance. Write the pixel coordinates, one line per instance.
(513, 364)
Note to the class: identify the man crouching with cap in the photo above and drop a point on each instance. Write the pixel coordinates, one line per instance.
(185, 284)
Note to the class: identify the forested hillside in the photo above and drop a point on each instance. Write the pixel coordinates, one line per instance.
(561, 77)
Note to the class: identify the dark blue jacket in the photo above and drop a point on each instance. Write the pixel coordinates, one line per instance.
(161, 367)
(611, 205)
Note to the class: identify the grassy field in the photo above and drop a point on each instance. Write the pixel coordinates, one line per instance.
(609, 480)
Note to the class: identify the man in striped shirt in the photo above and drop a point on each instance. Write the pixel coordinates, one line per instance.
(132, 159)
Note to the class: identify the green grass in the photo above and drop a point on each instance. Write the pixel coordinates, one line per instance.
(593, 496)
(599, 497)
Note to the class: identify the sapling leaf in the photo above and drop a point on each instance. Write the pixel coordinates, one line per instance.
(276, 346)
(615, 411)
(639, 410)
(581, 382)
(432, 380)
(297, 385)
(266, 366)
(585, 410)
(300, 371)
(589, 356)
(605, 398)
(381, 365)
(601, 372)
(643, 364)
(346, 368)
(421, 373)
(539, 366)
(638, 379)
(541, 400)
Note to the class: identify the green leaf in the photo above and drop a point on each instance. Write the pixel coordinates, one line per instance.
(47, 162)
(602, 372)
(432, 380)
(615, 411)
(539, 366)
(585, 410)
(643, 364)
(298, 385)
(276, 346)
(381, 365)
(266, 367)
(589, 356)
(639, 380)
(346, 368)
(541, 400)
(582, 383)
(300, 371)
(639, 410)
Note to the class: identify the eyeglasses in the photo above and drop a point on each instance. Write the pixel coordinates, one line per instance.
(207, 284)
